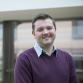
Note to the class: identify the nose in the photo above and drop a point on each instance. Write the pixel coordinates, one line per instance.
(45, 31)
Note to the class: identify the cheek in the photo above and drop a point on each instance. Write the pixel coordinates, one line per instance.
(37, 35)
(52, 33)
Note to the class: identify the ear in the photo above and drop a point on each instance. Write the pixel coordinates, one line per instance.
(33, 33)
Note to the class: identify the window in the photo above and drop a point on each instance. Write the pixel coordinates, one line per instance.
(1, 55)
(1, 32)
(77, 29)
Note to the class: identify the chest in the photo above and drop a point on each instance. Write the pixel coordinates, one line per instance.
(50, 69)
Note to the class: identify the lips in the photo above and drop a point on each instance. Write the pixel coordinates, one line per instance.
(46, 36)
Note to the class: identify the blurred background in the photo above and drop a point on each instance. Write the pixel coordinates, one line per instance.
(16, 31)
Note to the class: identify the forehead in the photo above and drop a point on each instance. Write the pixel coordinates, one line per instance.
(42, 22)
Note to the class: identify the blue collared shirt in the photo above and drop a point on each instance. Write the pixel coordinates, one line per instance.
(38, 49)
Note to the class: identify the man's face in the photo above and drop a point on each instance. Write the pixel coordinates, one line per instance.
(44, 32)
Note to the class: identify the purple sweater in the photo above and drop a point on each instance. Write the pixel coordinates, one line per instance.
(57, 68)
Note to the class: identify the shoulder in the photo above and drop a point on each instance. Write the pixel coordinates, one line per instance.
(64, 54)
(66, 57)
(24, 59)
(25, 55)
(23, 63)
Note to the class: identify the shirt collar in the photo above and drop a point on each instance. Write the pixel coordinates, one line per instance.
(38, 49)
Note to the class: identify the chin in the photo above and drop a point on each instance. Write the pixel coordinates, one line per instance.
(47, 43)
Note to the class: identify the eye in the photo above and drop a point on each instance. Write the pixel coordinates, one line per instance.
(49, 28)
(40, 29)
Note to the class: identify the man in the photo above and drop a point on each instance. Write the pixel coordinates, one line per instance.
(43, 63)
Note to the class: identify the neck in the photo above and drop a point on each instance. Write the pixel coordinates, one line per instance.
(48, 49)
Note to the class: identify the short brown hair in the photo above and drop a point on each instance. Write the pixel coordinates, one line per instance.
(42, 16)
